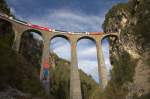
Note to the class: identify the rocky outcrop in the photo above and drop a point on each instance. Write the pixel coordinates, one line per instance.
(131, 21)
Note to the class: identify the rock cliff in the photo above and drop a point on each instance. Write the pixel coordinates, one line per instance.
(130, 54)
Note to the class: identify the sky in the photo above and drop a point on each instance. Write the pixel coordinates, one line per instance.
(73, 16)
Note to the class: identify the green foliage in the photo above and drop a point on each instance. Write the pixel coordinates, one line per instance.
(123, 69)
(15, 71)
(33, 86)
(88, 86)
(6, 33)
(122, 72)
(114, 91)
(60, 81)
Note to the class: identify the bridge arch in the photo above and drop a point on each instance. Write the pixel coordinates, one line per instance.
(31, 47)
(87, 61)
(86, 37)
(109, 39)
(6, 31)
(33, 30)
(61, 36)
(105, 62)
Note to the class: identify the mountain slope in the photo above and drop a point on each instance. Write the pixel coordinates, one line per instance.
(60, 81)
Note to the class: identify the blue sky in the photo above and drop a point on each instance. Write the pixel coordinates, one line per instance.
(69, 15)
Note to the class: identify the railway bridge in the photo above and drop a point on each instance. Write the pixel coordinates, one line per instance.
(19, 27)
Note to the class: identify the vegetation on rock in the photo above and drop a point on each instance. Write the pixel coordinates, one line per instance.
(131, 20)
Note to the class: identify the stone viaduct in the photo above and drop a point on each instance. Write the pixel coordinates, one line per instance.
(19, 27)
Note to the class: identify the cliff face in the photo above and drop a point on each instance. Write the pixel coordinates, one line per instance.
(130, 54)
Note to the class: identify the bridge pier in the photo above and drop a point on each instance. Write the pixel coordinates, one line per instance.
(75, 86)
(45, 66)
(101, 66)
(17, 41)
